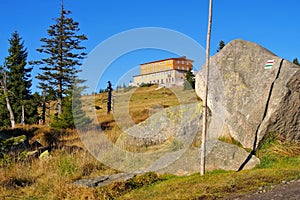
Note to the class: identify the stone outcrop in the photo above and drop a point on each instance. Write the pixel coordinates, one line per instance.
(248, 101)
(105, 180)
(13, 145)
(180, 124)
(219, 155)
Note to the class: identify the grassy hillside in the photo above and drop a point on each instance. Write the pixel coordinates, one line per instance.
(51, 177)
(133, 106)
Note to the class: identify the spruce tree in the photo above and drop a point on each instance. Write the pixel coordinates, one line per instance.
(189, 82)
(295, 61)
(221, 45)
(18, 80)
(72, 114)
(63, 54)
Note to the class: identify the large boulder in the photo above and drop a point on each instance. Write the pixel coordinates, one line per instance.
(170, 133)
(14, 145)
(248, 100)
(180, 123)
(219, 155)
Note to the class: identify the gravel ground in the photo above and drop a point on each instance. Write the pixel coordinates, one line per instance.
(287, 190)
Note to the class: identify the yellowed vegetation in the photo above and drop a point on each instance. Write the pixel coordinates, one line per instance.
(133, 107)
(52, 178)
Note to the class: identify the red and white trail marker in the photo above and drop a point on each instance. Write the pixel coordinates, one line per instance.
(269, 64)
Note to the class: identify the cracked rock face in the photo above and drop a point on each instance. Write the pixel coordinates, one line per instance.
(247, 100)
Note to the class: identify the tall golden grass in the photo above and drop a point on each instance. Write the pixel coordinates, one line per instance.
(52, 177)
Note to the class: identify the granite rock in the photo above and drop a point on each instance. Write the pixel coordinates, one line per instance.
(248, 101)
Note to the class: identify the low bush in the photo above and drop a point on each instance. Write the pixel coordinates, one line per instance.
(117, 189)
(147, 84)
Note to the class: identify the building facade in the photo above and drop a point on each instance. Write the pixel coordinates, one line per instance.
(167, 72)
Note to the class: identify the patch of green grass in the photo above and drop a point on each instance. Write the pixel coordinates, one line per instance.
(280, 160)
(66, 166)
(214, 185)
(275, 151)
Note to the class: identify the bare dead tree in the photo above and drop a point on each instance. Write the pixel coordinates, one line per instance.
(3, 83)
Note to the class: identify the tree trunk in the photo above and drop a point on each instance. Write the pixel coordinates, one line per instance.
(44, 108)
(205, 110)
(60, 63)
(23, 116)
(11, 114)
(59, 104)
(60, 90)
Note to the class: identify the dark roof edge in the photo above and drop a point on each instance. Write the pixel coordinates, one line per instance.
(180, 58)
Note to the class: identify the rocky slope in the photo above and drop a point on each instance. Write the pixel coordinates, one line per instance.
(171, 132)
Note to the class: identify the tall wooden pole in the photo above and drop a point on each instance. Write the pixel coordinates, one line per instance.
(206, 78)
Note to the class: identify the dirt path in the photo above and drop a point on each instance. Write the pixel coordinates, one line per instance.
(286, 191)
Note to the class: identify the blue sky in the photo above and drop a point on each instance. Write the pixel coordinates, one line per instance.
(273, 24)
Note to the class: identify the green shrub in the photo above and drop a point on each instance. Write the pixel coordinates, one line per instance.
(6, 161)
(142, 180)
(117, 189)
(15, 182)
(147, 84)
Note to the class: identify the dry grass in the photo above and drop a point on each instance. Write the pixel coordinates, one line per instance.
(132, 107)
(284, 148)
(51, 178)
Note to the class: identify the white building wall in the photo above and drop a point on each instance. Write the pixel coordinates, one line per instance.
(168, 78)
